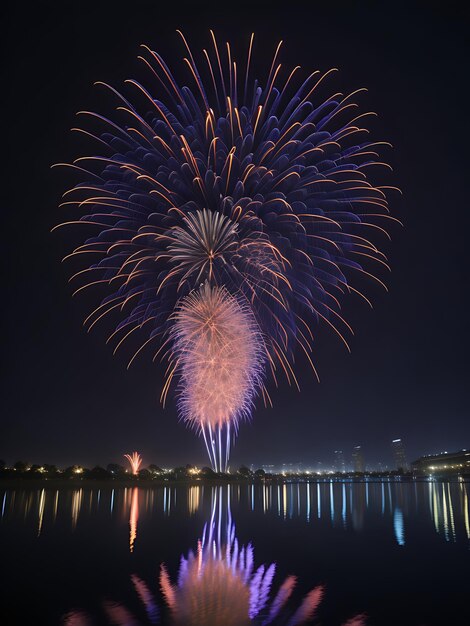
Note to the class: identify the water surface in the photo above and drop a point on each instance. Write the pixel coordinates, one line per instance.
(398, 552)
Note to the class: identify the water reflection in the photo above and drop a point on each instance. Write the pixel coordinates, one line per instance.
(41, 510)
(218, 584)
(194, 496)
(133, 517)
(142, 525)
(442, 505)
(76, 506)
(56, 505)
(347, 505)
(465, 508)
(399, 527)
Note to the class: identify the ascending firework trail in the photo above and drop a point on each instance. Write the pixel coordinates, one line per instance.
(229, 218)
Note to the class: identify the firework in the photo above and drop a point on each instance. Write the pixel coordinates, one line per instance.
(219, 352)
(135, 461)
(264, 189)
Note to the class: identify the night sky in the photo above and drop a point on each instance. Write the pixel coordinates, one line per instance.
(68, 400)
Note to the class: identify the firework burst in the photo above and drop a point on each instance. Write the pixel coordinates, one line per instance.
(202, 243)
(135, 461)
(264, 189)
(218, 351)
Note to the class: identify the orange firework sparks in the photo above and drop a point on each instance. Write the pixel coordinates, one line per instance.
(135, 461)
(218, 352)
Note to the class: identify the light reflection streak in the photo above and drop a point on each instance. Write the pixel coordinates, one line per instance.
(399, 527)
(56, 505)
(42, 499)
(133, 518)
(332, 503)
(451, 513)
(308, 501)
(430, 499)
(466, 516)
(194, 499)
(435, 506)
(444, 511)
(76, 506)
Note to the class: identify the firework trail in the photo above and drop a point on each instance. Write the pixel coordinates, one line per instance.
(135, 461)
(263, 190)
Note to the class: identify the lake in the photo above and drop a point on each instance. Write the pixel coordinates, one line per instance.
(397, 552)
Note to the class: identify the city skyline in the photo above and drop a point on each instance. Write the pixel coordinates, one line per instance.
(342, 461)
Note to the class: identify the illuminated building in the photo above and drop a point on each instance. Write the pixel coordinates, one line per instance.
(399, 456)
(339, 465)
(358, 459)
(443, 463)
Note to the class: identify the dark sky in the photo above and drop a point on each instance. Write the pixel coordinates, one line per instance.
(67, 399)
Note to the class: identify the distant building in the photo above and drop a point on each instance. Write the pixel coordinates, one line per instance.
(358, 459)
(339, 464)
(399, 456)
(382, 467)
(444, 463)
(269, 469)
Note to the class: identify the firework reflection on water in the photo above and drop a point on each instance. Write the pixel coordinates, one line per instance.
(218, 584)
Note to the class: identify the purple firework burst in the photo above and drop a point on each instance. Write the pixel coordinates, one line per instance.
(262, 188)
